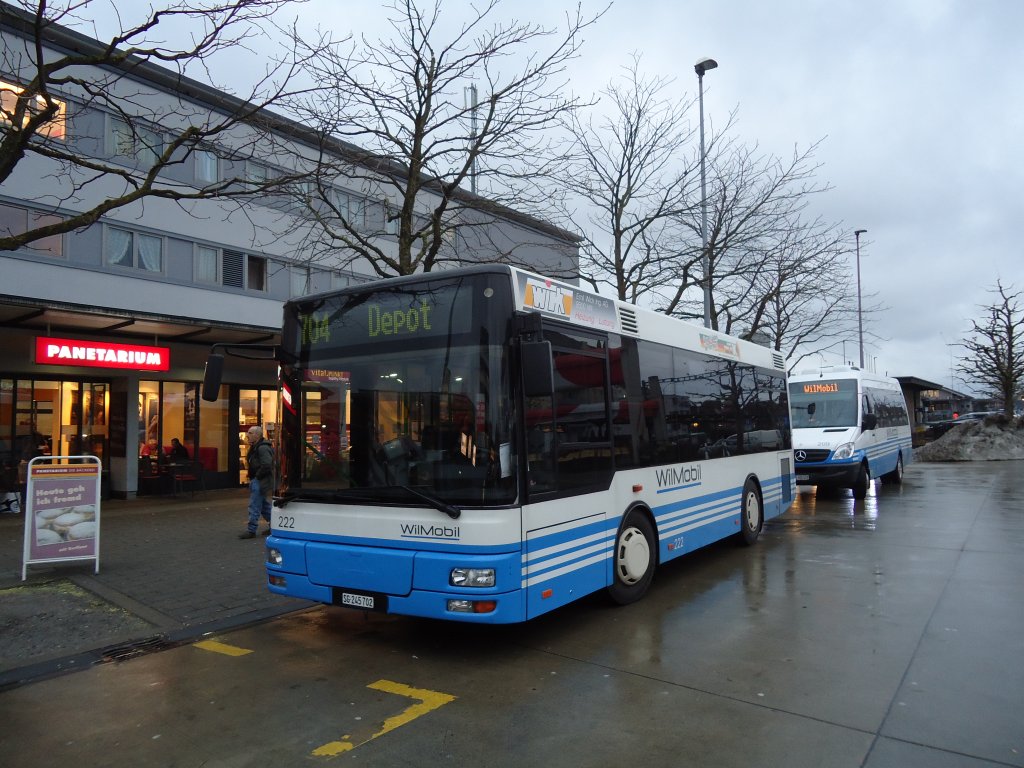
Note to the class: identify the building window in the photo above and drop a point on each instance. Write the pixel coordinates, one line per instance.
(356, 213)
(339, 280)
(134, 141)
(55, 128)
(390, 219)
(207, 166)
(134, 250)
(206, 264)
(243, 271)
(256, 274)
(234, 275)
(351, 208)
(257, 173)
(299, 281)
(15, 220)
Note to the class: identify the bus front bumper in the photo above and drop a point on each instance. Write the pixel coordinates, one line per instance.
(842, 475)
(379, 593)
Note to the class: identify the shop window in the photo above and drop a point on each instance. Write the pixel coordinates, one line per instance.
(52, 418)
(213, 433)
(256, 407)
(8, 453)
(55, 128)
(15, 220)
(170, 410)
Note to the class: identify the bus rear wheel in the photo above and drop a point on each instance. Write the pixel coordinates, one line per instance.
(896, 476)
(634, 560)
(751, 514)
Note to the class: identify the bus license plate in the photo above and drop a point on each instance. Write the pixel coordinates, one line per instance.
(802, 478)
(361, 600)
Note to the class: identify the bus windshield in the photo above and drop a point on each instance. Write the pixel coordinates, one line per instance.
(400, 395)
(823, 403)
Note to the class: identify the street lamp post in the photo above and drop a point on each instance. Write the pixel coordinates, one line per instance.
(860, 318)
(700, 68)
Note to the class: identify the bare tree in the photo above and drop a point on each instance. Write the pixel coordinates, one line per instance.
(801, 300)
(995, 348)
(753, 202)
(631, 185)
(63, 76)
(424, 136)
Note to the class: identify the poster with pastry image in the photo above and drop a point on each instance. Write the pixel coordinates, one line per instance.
(62, 510)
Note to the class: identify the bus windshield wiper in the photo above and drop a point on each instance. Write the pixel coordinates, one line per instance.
(441, 506)
(319, 494)
(357, 495)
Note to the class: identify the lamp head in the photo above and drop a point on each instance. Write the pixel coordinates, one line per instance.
(859, 232)
(704, 65)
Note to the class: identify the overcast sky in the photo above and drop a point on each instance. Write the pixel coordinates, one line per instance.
(919, 107)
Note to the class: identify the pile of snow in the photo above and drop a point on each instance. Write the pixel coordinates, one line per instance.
(994, 439)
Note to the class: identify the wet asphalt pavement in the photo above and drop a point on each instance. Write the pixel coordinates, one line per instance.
(884, 632)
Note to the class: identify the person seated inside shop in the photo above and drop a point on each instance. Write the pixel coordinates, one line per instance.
(149, 457)
(178, 453)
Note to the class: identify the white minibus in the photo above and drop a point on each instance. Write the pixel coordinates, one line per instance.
(849, 427)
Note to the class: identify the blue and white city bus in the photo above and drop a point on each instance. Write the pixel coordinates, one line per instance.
(485, 445)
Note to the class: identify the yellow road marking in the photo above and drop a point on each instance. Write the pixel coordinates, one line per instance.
(227, 650)
(426, 701)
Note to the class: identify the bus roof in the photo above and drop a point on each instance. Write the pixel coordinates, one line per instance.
(562, 301)
(843, 372)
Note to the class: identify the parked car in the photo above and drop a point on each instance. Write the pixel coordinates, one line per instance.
(979, 415)
(937, 429)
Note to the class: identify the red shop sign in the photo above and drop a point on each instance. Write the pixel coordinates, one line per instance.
(99, 354)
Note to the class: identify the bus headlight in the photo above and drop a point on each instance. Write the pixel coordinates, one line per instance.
(844, 451)
(472, 606)
(472, 577)
(274, 556)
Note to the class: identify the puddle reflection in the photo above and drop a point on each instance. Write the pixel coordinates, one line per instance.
(837, 509)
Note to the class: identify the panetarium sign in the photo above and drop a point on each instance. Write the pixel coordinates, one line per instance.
(99, 354)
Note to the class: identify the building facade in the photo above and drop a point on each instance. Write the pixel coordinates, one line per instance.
(104, 331)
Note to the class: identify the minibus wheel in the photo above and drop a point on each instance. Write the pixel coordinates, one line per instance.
(635, 557)
(862, 483)
(751, 514)
(896, 476)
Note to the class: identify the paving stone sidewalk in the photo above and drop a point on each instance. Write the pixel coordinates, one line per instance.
(170, 570)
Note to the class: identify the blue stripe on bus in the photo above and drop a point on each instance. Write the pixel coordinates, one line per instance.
(556, 555)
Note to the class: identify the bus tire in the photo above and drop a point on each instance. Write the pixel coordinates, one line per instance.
(634, 559)
(751, 514)
(862, 483)
(896, 476)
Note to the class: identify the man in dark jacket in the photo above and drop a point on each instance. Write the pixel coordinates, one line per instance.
(260, 463)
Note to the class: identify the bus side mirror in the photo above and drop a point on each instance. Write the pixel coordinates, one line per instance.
(538, 373)
(212, 376)
(870, 422)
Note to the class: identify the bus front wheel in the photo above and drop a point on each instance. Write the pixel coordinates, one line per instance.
(635, 558)
(751, 514)
(863, 482)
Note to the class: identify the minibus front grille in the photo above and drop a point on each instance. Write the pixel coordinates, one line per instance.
(811, 456)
